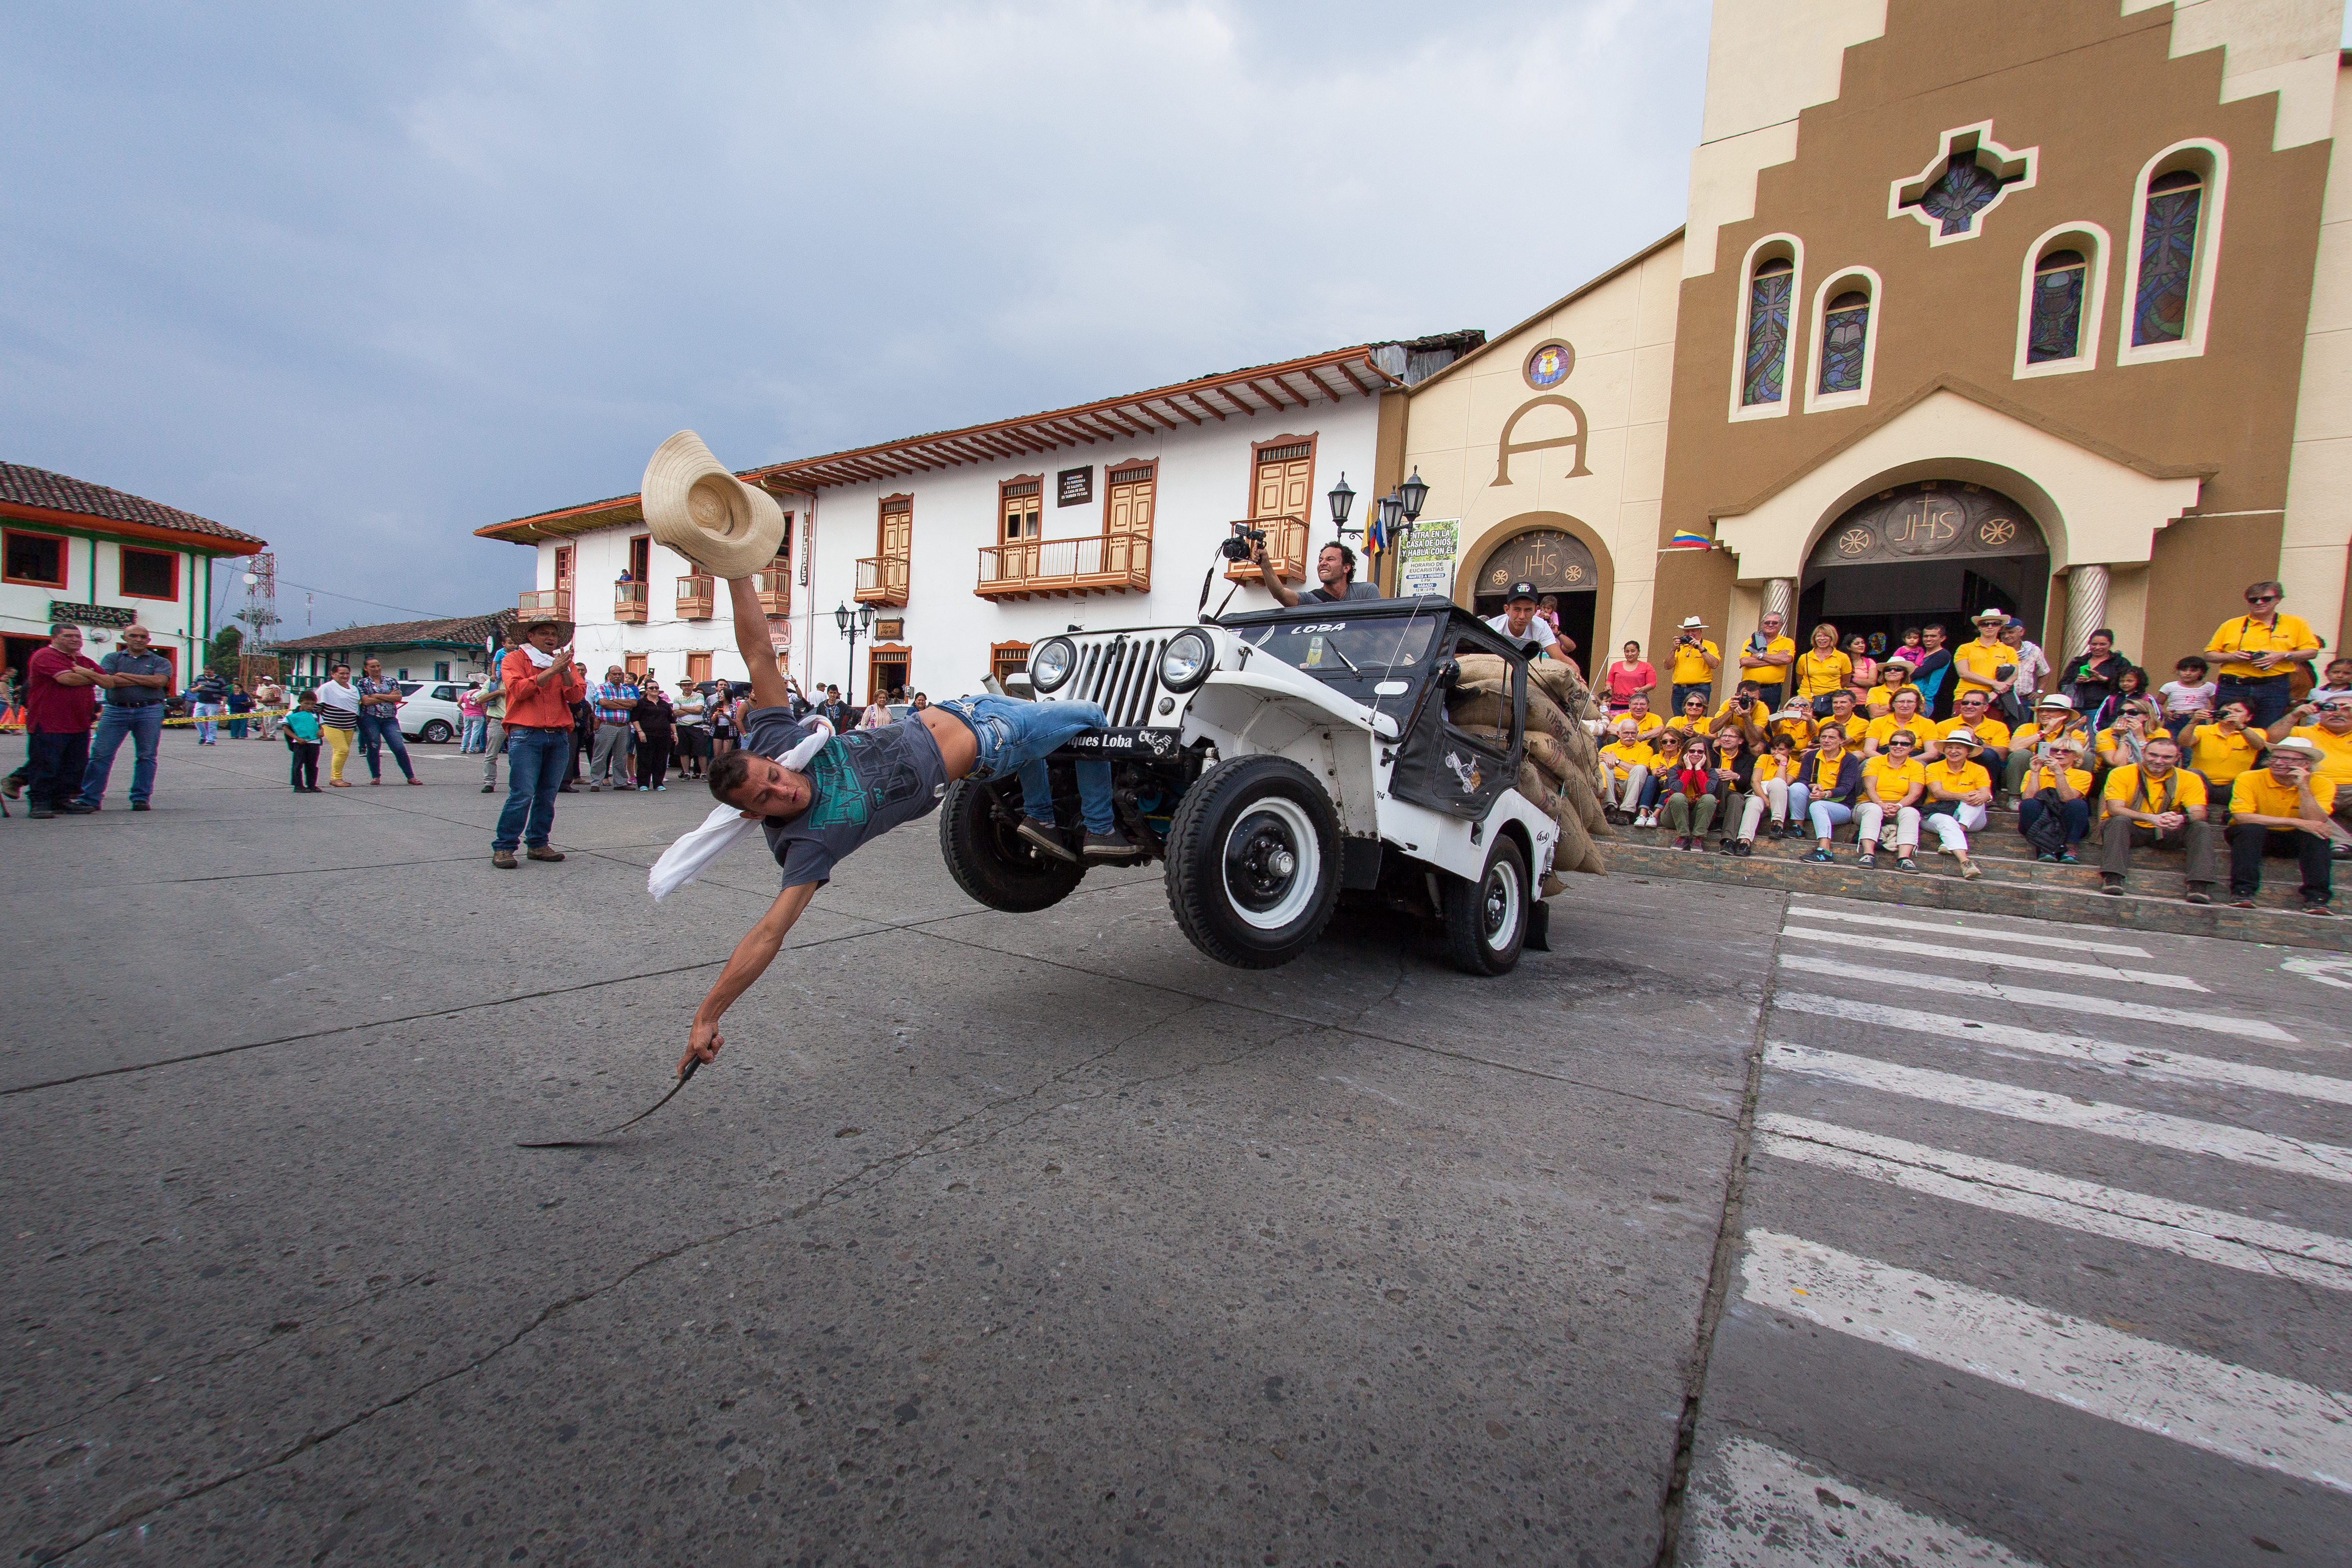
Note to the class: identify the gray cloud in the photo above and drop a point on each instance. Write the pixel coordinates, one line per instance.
(361, 282)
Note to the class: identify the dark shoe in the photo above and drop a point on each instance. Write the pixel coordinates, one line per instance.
(503, 859)
(2242, 903)
(2316, 907)
(489, 789)
(1867, 860)
(542, 853)
(1906, 864)
(567, 790)
(2111, 883)
(78, 808)
(13, 786)
(2068, 858)
(2045, 859)
(1744, 848)
(139, 805)
(2196, 894)
(1109, 847)
(37, 813)
(595, 788)
(1822, 857)
(1047, 838)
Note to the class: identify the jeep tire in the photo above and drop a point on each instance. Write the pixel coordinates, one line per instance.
(1486, 920)
(992, 862)
(1254, 862)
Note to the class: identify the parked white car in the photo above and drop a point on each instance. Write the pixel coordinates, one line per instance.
(429, 711)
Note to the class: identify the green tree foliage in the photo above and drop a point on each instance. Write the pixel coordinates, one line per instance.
(226, 645)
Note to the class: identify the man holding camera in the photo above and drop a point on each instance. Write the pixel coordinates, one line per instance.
(1695, 662)
(1335, 569)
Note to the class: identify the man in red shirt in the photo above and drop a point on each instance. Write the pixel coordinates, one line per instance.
(541, 683)
(60, 704)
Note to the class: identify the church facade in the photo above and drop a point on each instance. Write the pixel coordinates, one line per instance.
(2041, 304)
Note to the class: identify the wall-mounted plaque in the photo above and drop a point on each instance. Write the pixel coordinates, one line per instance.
(1073, 486)
(889, 630)
(1930, 519)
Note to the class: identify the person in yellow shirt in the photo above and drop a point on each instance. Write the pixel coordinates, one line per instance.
(1744, 713)
(1765, 659)
(1978, 665)
(1843, 714)
(2156, 801)
(1976, 716)
(2054, 787)
(1822, 668)
(1795, 723)
(2281, 809)
(1692, 718)
(1892, 784)
(1908, 713)
(1626, 765)
(2256, 654)
(1695, 661)
(2227, 748)
(1959, 796)
(1893, 676)
(2328, 725)
(1638, 710)
(2053, 716)
(1768, 786)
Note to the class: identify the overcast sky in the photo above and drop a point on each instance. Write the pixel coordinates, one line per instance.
(360, 279)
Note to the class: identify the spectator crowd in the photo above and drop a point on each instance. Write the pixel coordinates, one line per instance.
(2226, 762)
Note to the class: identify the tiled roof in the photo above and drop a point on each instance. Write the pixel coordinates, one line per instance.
(57, 493)
(474, 629)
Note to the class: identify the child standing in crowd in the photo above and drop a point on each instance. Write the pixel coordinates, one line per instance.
(2337, 684)
(2188, 697)
(303, 728)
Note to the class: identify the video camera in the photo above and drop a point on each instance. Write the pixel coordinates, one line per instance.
(1244, 543)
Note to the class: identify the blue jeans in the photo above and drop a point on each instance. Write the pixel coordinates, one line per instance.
(377, 733)
(2073, 815)
(535, 763)
(477, 728)
(1017, 737)
(2268, 696)
(144, 726)
(203, 713)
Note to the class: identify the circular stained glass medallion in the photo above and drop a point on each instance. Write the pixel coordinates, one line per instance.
(1549, 364)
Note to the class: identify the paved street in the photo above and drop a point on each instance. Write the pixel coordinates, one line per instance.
(997, 1239)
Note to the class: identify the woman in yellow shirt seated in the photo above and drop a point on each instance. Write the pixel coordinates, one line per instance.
(1795, 724)
(2053, 715)
(1904, 715)
(1768, 786)
(2054, 787)
(1893, 676)
(1822, 668)
(1892, 783)
(2227, 748)
(1959, 794)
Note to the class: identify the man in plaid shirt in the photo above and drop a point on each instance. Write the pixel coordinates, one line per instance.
(615, 700)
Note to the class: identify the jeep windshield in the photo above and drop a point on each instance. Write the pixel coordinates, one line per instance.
(1377, 661)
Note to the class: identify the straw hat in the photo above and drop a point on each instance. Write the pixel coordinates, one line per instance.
(2310, 750)
(1965, 736)
(696, 507)
(2057, 699)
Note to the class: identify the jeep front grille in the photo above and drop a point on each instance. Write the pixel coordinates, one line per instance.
(1120, 673)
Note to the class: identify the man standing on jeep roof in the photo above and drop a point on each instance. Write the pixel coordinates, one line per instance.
(1335, 568)
(863, 782)
(1519, 622)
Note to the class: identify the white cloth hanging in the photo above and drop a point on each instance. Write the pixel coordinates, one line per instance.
(684, 859)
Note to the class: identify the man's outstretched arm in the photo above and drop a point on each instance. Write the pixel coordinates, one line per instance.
(745, 964)
(768, 687)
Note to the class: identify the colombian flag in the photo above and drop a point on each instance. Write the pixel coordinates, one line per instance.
(1686, 539)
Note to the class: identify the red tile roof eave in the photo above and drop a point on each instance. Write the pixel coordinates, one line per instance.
(225, 544)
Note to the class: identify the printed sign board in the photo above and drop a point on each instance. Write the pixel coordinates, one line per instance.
(1073, 486)
(1427, 563)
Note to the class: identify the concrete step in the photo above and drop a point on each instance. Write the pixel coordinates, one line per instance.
(2010, 885)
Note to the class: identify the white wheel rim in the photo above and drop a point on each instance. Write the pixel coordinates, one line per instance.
(1498, 907)
(1265, 825)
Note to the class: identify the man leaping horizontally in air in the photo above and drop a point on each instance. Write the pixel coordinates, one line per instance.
(860, 785)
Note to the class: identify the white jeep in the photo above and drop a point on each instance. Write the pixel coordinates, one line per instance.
(1278, 761)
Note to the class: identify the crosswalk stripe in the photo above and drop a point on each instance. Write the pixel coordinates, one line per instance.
(2208, 1235)
(2235, 1411)
(1880, 922)
(2289, 1156)
(2144, 1062)
(2016, 960)
(2026, 996)
(1757, 1507)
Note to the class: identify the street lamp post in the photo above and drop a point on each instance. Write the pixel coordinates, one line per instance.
(851, 624)
(1392, 520)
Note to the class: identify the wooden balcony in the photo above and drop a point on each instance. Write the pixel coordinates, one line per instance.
(694, 598)
(629, 602)
(774, 589)
(1063, 568)
(1286, 550)
(882, 580)
(539, 601)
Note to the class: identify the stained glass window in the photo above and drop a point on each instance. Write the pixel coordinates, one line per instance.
(1845, 327)
(2167, 256)
(1966, 189)
(1764, 376)
(2054, 330)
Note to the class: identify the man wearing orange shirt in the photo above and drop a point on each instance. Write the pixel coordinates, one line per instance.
(541, 683)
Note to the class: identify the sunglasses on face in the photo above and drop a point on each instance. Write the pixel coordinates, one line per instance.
(2262, 599)
(1892, 744)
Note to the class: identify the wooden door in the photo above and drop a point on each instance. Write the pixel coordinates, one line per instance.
(563, 567)
(634, 664)
(697, 667)
(1284, 482)
(897, 537)
(1128, 518)
(641, 557)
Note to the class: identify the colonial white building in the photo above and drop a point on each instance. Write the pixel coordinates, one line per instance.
(968, 545)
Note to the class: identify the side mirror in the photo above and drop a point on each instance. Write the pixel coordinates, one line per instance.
(1447, 674)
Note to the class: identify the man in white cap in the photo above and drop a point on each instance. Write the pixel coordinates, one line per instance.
(2156, 802)
(2281, 809)
(1988, 664)
(1519, 623)
(1695, 662)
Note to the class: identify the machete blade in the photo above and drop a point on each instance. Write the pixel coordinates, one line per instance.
(594, 1139)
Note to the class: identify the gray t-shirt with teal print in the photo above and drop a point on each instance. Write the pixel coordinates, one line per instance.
(862, 784)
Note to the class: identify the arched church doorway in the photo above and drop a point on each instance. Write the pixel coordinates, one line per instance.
(1558, 564)
(1932, 551)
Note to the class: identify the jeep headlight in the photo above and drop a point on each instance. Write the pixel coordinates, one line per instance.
(1051, 661)
(1186, 662)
